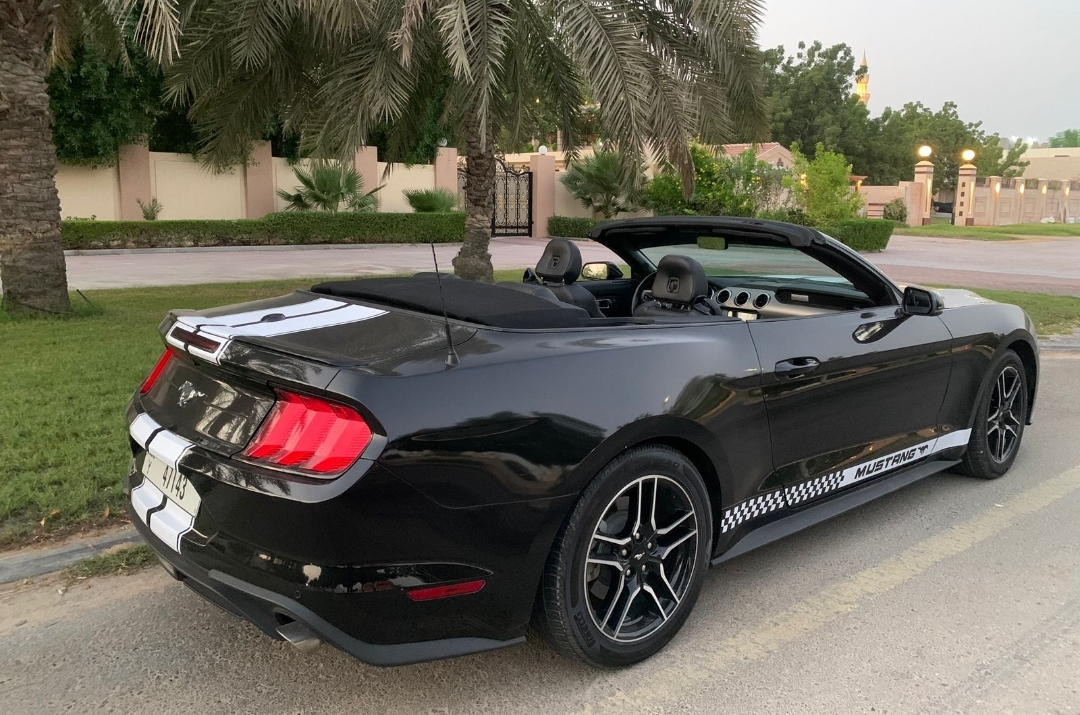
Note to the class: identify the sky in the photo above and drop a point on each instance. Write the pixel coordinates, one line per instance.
(1013, 64)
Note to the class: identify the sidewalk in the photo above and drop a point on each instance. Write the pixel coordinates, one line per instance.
(1035, 265)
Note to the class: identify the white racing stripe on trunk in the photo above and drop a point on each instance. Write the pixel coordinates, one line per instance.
(325, 319)
(169, 448)
(171, 523)
(254, 316)
(142, 429)
(145, 497)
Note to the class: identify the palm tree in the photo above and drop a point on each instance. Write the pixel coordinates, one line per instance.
(34, 35)
(602, 184)
(330, 187)
(662, 71)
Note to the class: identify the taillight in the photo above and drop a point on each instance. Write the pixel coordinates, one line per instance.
(309, 434)
(159, 368)
(432, 593)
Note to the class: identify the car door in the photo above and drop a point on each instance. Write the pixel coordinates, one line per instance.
(844, 390)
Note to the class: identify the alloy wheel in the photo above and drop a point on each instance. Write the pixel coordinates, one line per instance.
(1003, 421)
(640, 559)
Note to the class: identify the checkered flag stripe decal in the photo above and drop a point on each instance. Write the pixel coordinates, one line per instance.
(751, 509)
(813, 488)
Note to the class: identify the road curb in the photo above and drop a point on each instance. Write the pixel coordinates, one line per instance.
(241, 249)
(23, 565)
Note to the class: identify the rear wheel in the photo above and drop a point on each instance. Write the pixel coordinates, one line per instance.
(627, 568)
(999, 421)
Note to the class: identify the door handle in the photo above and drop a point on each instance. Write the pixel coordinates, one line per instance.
(604, 303)
(796, 367)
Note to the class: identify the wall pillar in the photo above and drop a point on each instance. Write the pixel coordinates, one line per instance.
(1041, 200)
(924, 174)
(135, 186)
(259, 182)
(963, 209)
(994, 202)
(366, 163)
(914, 201)
(446, 169)
(543, 192)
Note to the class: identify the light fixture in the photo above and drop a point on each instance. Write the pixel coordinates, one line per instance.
(442, 141)
(542, 150)
(968, 155)
(1044, 188)
(925, 151)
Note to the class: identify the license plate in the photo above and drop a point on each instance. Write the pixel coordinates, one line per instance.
(173, 484)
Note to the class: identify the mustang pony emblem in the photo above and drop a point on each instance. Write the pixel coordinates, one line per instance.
(188, 393)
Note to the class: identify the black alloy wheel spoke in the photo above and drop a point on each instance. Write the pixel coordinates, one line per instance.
(641, 558)
(1003, 421)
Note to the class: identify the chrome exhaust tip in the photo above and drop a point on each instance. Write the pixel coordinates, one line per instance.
(300, 636)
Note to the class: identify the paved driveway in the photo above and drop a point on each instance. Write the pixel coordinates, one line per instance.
(1037, 265)
(950, 596)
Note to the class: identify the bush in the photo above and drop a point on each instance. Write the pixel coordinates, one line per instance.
(602, 184)
(822, 187)
(723, 186)
(862, 234)
(430, 200)
(570, 227)
(795, 216)
(304, 228)
(896, 211)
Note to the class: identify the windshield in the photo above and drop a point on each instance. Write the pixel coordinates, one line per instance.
(752, 260)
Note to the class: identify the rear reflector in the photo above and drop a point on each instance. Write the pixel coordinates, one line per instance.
(159, 368)
(454, 589)
(309, 434)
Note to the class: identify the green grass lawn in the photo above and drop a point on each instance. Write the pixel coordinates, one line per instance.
(64, 384)
(992, 233)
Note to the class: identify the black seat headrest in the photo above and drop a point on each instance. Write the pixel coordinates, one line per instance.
(680, 279)
(561, 262)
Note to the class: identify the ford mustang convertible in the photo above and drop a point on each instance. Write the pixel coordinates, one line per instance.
(416, 468)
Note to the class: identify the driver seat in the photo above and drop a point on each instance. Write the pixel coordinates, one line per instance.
(679, 290)
(558, 270)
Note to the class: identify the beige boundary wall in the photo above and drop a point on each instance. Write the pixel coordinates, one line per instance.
(1001, 202)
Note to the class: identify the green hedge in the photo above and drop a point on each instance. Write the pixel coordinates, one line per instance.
(570, 227)
(862, 234)
(280, 229)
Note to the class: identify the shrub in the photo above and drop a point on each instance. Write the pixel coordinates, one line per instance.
(822, 187)
(280, 229)
(430, 200)
(723, 186)
(795, 216)
(896, 211)
(329, 188)
(862, 234)
(601, 183)
(150, 211)
(570, 227)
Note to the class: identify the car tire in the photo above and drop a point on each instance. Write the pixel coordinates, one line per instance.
(616, 587)
(999, 420)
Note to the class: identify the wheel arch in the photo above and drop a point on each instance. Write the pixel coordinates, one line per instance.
(1020, 344)
(1030, 360)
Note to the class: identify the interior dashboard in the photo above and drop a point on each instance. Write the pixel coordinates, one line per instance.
(753, 300)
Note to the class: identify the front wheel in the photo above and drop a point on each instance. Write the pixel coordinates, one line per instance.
(999, 421)
(626, 569)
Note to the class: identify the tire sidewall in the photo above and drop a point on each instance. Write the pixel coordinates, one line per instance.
(596, 647)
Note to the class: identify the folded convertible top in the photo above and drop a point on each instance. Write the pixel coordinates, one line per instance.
(470, 301)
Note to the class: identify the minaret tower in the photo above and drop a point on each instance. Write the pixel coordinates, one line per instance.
(862, 81)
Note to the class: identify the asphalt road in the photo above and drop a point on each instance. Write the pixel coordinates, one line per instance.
(951, 596)
(1040, 265)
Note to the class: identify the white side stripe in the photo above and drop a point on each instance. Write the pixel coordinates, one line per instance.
(145, 497)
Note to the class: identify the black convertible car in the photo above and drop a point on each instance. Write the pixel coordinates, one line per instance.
(351, 464)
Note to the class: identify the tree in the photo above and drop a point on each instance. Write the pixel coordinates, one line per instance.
(1066, 139)
(335, 71)
(602, 183)
(822, 187)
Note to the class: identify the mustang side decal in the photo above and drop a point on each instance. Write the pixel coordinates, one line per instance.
(819, 486)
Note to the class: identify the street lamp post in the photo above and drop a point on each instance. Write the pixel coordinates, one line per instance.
(924, 174)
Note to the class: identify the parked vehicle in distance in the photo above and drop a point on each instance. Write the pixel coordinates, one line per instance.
(350, 465)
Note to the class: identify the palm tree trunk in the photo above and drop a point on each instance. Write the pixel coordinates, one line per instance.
(32, 268)
(473, 262)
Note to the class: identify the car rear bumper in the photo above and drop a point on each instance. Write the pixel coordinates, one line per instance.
(269, 611)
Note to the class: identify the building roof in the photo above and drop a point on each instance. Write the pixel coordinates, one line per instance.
(1052, 164)
(762, 148)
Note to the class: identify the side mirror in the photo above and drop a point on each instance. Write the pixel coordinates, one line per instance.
(921, 301)
(600, 271)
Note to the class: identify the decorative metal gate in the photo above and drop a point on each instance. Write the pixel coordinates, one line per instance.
(513, 210)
